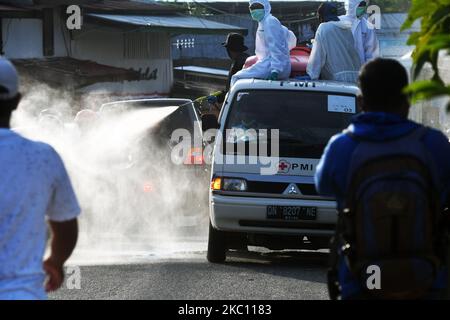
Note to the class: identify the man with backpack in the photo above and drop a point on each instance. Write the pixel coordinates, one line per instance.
(391, 179)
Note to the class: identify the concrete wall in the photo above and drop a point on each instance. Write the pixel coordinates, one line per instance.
(22, 38)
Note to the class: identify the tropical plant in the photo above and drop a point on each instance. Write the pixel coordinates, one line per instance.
(431, 42)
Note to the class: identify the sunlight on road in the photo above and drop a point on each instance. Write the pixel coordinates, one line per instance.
(137, 250)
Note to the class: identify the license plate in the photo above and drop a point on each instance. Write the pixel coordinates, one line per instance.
(291, 213)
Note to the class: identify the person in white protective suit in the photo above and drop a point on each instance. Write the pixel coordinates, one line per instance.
(364, 33)
(333, 56)
(273, 44)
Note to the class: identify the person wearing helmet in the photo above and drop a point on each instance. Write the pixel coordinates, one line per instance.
(50, 112)
(365, 37)
(50, 120)
(86, 119)
(273, 44)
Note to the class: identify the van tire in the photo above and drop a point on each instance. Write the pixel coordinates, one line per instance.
(217, 246)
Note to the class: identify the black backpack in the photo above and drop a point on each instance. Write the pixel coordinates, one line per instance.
(390, 221)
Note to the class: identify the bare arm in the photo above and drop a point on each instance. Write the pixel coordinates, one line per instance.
(63, 240)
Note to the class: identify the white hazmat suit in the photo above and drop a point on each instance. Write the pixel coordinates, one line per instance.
(333, 56)
(364, 33)
(273, 44)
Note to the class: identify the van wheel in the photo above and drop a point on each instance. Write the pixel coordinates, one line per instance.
(217, 246)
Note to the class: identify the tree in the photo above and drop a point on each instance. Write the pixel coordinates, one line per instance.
(431, 41)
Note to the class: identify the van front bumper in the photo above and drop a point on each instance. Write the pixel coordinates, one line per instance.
(249, 215)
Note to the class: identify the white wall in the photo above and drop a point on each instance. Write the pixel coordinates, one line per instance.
(22, 38)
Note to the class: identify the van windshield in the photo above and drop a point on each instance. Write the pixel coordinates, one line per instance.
(305, 120)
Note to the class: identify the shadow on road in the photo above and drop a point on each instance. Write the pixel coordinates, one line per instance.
(285, 257)
(301, 265)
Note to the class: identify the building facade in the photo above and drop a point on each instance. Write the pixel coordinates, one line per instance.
(132, 36)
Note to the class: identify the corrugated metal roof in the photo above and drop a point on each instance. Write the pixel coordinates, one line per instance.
(63, 70)
(10, 8)
(132, 6)
(100, 6)
(173, 24)
(18, 2)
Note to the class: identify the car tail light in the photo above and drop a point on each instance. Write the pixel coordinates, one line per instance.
(216, 183)
(194, 156)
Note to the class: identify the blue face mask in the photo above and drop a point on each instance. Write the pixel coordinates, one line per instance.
(258, 14)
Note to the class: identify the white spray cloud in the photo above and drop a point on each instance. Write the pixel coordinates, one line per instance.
(133, 198)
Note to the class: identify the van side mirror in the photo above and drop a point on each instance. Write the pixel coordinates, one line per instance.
(209, 121)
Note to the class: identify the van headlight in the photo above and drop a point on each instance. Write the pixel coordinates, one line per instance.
(233, 184)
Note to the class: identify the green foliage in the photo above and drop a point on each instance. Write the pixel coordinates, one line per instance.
(433, 38)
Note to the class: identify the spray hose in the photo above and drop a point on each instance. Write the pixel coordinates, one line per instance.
(203, 98)
(201, 101)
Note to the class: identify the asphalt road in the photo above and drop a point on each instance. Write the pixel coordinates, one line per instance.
(187, 275)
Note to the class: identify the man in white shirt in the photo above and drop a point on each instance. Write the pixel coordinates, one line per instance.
(34, 187)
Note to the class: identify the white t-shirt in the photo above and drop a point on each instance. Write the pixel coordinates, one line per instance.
(33, 185)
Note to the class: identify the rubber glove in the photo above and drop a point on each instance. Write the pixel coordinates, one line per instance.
(273, 76)
(211, 99)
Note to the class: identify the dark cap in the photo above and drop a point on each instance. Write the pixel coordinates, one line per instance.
(235, 42)
(328, 11)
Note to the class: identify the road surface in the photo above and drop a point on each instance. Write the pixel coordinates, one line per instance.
(184, 273)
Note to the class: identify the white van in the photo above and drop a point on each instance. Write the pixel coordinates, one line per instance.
(280, 209)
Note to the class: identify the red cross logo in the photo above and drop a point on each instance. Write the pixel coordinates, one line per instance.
(284, 166)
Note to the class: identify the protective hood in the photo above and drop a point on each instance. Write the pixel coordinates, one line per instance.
(380, 126)
(267, 6)
(352, 5)
(343, 24)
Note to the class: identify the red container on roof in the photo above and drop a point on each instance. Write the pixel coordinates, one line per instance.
(299, 61)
